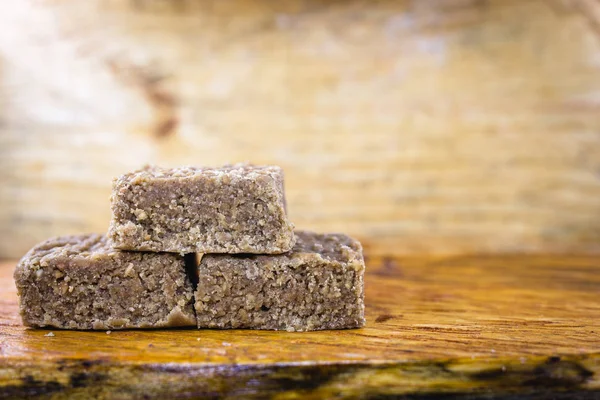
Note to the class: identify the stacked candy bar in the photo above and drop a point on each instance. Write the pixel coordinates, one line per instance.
(255, 271)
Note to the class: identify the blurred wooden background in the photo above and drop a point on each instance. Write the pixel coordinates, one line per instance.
(429, 126)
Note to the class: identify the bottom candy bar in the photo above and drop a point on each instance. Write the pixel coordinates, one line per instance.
(317, 285)
(79, 282)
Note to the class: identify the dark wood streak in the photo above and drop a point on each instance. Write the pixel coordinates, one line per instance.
(566, 395)
(388, 267)
(452, 378)
(560, 373)
(385, 317)
(30, 387)
(152, 85)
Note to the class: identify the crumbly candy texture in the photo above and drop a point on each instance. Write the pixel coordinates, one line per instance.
(318, 285)
(234, 209)
(80, 282)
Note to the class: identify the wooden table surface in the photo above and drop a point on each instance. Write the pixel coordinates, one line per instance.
(499, 327)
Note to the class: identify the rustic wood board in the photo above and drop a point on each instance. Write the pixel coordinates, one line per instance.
(466, 326)
(433, 126)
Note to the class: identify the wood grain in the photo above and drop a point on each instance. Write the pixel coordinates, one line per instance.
(505, 326)
(429, 127)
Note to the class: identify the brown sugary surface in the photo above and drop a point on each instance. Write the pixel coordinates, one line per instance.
(234, 209)
(75, 247)
(239, 171)
(80, 282)
(318, 285)
(330, 246)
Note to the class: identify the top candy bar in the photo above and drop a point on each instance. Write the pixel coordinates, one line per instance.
(234, 209)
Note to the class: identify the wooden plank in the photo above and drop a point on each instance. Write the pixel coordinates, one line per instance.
(501, 326)
(429, 127)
